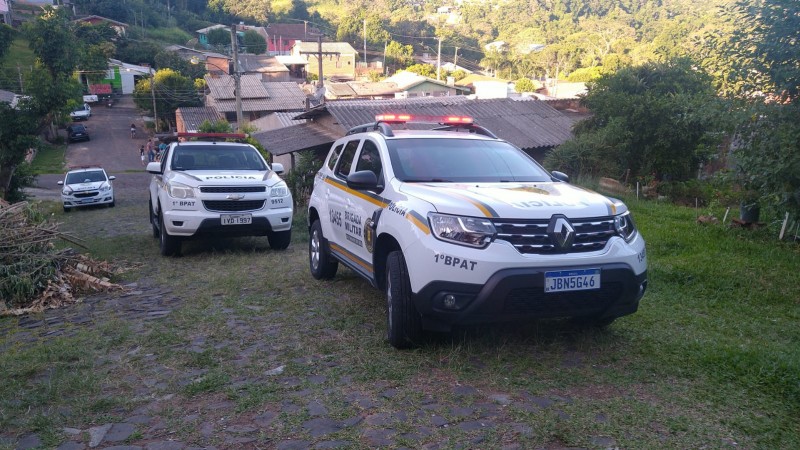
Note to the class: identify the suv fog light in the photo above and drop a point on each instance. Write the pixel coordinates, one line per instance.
(450, 301)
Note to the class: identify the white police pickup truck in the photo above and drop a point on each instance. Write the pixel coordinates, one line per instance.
(458, 226)
(217, 188)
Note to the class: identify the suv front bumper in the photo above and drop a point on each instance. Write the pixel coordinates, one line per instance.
(518, 294)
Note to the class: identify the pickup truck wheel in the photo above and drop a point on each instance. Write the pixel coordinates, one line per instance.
(169, 245)
(153, 220)
(404, 325)
(323, 265)
(279, 240)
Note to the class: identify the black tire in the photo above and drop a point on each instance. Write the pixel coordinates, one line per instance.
(279, 240)
(66, 210)
(323, 266)
(169, 245)
(404, 325)
(153, 220)
(112, 204)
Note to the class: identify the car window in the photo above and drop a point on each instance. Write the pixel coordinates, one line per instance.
(88, 176)
(462, 160)
(334, 156)
(216, 157)
(346, 160)
(370, 159)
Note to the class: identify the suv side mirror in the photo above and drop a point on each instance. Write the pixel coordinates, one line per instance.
(154, 167)
(277, 168)
(560, 176)
(363, 180)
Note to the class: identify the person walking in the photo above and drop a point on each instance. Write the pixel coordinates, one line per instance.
(133, 130)
(141, 154)
(151, 155)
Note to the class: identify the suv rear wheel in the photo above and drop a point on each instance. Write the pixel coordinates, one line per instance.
(322, 265)
(404, 325)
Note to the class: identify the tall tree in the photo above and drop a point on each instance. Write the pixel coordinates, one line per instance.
(254, 43)
(17, 136)
(171, 90)
(6, 37)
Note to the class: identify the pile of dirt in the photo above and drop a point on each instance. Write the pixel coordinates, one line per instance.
(34, 274)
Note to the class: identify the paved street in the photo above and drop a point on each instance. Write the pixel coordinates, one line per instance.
(111, 147)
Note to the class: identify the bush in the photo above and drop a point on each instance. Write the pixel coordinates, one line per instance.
(173, 35)
(301, 178)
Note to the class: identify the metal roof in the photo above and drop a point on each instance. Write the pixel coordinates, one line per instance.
(285, 140)
(261, 64)
(528, 124)
(311, 47)
(277, 96)
(284, 118)
(222, 87)
(293, 31)
(194, 116)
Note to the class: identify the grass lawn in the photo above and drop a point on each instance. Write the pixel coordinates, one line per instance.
(710, 360)
(50, 159)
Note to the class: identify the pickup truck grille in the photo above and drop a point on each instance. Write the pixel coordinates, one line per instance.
(233, 206)
(231, 189)
(530, 236)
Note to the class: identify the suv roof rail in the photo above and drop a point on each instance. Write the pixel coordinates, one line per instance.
(383, 127)
(470, 127)
(211, 136)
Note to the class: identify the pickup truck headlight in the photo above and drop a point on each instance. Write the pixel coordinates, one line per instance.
(469, 231)
(178, 190)
(279, 190)
(105, 187)
(625, 227)
(67, 191)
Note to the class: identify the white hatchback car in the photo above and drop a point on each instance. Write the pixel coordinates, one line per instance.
(87, 186)
(81, 113)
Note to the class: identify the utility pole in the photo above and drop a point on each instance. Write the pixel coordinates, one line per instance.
(153, 95)
(384, 57)
(318, 54)
(455, 59)
(365, 43)
(237, 78)
(439, 61)
(19, 72)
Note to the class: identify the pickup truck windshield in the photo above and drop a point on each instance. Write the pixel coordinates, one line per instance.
(217, 157)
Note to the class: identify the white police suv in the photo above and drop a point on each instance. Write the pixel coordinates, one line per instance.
(216, 188)
(458, 226)
(86, 185)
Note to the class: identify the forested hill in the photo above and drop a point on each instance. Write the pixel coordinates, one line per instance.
(542, 37)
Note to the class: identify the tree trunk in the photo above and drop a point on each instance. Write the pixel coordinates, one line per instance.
(6, 172)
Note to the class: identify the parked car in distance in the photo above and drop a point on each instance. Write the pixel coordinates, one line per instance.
(88, 185)
(77, 132)
(81, 113)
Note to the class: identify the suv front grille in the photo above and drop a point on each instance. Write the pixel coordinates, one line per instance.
(561, 304)
(231, 189)
(233, 206)
(530, 236)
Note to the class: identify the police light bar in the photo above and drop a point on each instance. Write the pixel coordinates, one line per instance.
(213, 135)
(403, 118)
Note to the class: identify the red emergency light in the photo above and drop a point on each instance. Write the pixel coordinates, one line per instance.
(403, 118)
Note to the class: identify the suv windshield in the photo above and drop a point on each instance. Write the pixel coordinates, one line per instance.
(217, 157)
(88, 176)
(462, 160)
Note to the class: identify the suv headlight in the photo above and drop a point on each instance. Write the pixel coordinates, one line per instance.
(178, 190)
(625, 227)
(279, 190)
(469, 231)
(105, 187)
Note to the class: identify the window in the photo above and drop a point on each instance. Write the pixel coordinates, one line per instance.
(334, 157)
(346, 160)
(370, 159)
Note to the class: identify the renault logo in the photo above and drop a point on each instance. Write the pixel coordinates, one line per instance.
(561, 231)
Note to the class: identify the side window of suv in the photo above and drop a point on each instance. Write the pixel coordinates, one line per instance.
(346, 159)
(370, 159)
(335, 157)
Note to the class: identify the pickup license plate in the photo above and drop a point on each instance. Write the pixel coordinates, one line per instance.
(236, 219)
(572, 280)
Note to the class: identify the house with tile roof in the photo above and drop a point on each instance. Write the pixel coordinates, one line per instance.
(259, 97)
(189, 118)
(281, 37)
(534, 126)
(410, 84)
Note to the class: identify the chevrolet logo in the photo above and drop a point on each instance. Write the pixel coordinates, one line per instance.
(235, 196)
(561, 231)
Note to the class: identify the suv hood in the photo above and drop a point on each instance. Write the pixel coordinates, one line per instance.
(514, 200)
(196, 178)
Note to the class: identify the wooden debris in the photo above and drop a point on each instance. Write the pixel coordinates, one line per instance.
(706, 220)
(37, 276)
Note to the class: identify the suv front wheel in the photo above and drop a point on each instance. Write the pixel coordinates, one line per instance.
(404, 325)
(169, 245)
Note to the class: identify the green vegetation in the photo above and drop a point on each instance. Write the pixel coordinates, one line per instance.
(254, 43)
(710, 358)
(49, 159)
